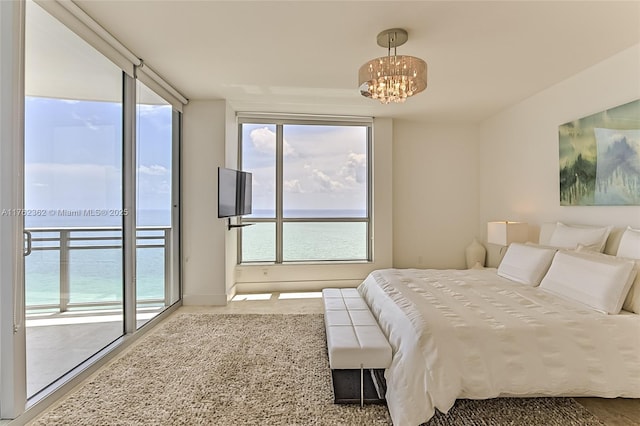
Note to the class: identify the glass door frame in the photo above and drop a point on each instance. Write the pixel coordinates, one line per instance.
(129, 235)
(13, 380)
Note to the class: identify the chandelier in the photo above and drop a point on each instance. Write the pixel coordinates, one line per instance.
(392, 78)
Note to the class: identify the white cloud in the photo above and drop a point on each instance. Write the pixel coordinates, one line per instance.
(57, 185)
(88, 123)
(292, 186)
(153, 170)
(355, 168)
(288, 150)
(325, 181)
(264, 140)
(145, 110)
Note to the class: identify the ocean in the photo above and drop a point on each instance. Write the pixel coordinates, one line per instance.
(95, 274)
(306, 241)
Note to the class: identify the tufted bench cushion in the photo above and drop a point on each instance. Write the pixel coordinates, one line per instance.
(354, 339)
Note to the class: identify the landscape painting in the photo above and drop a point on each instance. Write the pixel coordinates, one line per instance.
(600, 158)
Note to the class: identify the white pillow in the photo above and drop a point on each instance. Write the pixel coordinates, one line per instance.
(599, 281)
(632, 301)
(565, 236)
(630, 244)
(526, 263)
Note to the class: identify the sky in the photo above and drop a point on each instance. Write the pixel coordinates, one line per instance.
(73, 155)
(325, 167)
(73, 161)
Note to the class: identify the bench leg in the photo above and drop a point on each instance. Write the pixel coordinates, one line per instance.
(361, 386)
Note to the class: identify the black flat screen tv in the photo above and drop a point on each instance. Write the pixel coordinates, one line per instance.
(234, 192)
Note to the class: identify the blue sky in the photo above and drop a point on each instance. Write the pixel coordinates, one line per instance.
(73, 155)
(324, 166)
(73, 160)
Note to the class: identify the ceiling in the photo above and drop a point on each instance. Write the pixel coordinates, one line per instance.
(304, 56)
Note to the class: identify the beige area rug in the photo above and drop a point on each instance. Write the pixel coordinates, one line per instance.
(215, 369)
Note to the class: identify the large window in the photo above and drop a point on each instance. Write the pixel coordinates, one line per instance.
(311, 191)
(156, 220)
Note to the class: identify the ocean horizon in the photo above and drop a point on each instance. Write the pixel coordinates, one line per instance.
(308, 213)
(95, 275)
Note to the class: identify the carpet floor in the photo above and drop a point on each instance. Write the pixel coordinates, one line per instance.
(230, 369)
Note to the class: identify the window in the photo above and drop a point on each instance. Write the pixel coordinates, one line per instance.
(311, 191)
(156, 221)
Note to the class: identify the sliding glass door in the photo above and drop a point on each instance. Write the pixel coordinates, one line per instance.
(73, 200)
(90, 202)
(101, 210)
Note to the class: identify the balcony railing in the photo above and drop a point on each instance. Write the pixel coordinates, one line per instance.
(66, 240)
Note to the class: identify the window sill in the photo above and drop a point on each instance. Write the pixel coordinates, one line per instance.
(306, 262)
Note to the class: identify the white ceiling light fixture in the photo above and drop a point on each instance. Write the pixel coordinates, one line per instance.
(392, 78)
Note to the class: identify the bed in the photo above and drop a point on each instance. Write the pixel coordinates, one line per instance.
(476, 334)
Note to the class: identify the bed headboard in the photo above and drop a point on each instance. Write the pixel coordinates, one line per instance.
(546, 229)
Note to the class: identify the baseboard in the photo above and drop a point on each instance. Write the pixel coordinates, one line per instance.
(204, 300)
(292, 286)
(264, 287)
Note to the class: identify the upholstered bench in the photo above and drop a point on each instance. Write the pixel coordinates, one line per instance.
(355, 343)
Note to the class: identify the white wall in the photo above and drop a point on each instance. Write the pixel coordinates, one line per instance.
(203, 234)
(435, 194)
(257, 278)
(231, 235)
(519, 177)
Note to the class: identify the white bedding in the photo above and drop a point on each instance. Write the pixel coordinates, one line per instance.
(473, 334)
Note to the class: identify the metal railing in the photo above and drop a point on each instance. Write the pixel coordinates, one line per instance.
(68, 239)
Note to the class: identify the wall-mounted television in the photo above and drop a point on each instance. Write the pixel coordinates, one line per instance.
(234, 192)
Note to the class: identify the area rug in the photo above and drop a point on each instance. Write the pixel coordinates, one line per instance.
(223, 369)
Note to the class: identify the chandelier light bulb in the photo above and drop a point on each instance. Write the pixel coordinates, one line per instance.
(392, 78)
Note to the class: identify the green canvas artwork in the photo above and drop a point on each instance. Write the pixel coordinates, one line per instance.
(600, 158)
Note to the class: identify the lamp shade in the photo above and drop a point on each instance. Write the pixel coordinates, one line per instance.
(505, 233)
(392, 78)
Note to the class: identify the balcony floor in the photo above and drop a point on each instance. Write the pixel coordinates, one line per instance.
(58, 342)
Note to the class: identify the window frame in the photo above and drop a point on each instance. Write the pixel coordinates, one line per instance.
(279, 220)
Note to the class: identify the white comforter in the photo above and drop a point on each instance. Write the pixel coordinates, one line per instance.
(472, 334)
